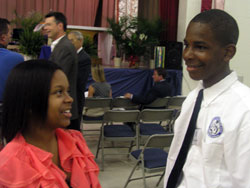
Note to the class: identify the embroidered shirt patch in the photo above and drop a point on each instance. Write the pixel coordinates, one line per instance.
(215, 128)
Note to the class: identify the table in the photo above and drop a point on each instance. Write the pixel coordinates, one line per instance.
(137, 81)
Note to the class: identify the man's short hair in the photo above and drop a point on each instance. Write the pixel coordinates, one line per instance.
(223, 25)
(59, 17)
(4, 26)
(77, 34)
(161, 72)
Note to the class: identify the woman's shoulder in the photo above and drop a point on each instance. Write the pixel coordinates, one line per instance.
(15, 168)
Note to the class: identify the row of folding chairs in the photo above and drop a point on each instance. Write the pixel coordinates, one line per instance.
(146, 128)
(150, 138)
(132, 126)
(117, 103)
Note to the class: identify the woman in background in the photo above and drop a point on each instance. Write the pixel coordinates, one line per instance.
(39, 151)
(100, 88)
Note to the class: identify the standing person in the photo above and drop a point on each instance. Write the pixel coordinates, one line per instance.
(217, 142)
(40, 152)
(8, 59)
(84, 68)
(63, 54)
(159, 90)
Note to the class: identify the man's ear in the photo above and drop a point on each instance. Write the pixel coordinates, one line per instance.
(60, 25)
(230, 51)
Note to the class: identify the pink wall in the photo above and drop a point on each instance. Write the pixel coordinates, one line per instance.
(78, 12)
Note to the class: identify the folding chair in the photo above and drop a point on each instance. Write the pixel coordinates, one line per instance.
(176, 102)
(118, 132)
(158, 103)
(93, 103)
(150, 122)
(151, 158)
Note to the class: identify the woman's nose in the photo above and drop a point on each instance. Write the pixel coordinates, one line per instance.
(68, 98)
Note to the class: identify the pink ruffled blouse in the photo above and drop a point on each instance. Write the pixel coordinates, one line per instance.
(23, 165)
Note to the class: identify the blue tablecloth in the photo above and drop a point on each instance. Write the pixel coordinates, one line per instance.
(137, 81)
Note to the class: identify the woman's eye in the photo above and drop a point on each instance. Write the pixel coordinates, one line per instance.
(59, 92)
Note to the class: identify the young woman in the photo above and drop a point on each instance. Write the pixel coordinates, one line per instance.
(39, 151)
(100, 88)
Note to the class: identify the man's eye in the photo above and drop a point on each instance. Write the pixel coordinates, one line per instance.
(201, 47)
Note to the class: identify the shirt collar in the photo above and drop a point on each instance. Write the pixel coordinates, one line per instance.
(66, 145)
(55, 42)
(78, 51)
(215, 90)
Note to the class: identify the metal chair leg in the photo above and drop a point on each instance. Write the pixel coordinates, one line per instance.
(143, 174)
(102, 144)
(131, 173)
(98, 146)
(159, 181)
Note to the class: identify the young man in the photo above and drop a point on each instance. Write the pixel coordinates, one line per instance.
(84, 68)
(63, 54)
(8, 59)
(219, 149)
(159, 90)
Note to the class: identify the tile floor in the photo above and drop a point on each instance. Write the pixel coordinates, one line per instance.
(116, 167)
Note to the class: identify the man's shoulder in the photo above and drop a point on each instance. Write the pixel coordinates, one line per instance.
(161, 84)
(84, 58)
(10, 55)
(84, 54)
(65, 43)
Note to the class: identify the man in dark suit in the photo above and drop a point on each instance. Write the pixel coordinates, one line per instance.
(63, 54)
(160, 89)
(84, 68)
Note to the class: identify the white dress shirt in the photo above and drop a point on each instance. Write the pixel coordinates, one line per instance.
(55, 42)
(219, 156)
(78, 51)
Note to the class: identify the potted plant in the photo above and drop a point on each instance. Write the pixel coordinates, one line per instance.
(140, 38)
(30, 42)
(118, 31)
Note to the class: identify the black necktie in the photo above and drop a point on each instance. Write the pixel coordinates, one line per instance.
(176, 171)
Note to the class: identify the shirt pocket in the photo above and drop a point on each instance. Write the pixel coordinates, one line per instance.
(212, 159)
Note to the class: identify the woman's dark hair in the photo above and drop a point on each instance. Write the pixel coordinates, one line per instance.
(26, 95)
